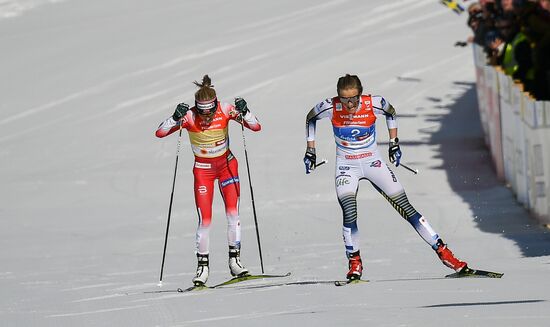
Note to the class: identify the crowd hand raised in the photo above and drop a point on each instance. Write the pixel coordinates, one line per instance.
(395, 152)
(181, 110)
(241, 107)
(310, 160)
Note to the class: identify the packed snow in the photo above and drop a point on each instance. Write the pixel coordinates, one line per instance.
(86, 184)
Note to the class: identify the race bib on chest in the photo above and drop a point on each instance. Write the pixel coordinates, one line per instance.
(357, 129)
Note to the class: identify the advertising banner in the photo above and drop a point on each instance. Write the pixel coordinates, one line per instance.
(509, 119)
(517, 131)
(480, 61)
(493, 116)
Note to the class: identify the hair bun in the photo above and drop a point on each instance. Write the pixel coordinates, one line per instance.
(206, 90)
(206, 81)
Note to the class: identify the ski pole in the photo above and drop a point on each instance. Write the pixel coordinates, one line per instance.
(324, 161)
(252, 197)
(170, 209)
(414, 171)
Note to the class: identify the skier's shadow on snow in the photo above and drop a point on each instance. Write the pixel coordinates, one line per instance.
(470, 304)
(467, 162)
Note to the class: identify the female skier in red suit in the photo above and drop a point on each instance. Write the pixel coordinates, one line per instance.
(207, 125)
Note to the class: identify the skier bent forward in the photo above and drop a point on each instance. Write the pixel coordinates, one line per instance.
(207, 125)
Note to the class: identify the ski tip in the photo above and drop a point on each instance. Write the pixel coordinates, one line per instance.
(349, 281)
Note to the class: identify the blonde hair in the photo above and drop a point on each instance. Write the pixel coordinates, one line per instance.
(206, 89)
(349, 82)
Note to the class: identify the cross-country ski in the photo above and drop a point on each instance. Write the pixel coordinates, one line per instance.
(473, 273)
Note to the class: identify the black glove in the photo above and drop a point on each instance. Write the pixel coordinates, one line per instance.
(241, 107)
(310, 160)
(395, 152)
(181, 110)
(461, 44)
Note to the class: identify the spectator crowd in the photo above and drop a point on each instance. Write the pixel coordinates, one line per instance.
(515, 35)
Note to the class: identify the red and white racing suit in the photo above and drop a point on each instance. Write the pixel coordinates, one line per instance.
(357, 158)
(213, 161)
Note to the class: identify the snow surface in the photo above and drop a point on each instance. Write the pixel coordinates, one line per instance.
(86, 185)
(14, 8)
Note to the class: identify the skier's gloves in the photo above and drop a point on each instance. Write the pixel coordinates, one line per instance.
(395, 152)
(241, 107)
(461, 44)
(310, 160)
(181, 110)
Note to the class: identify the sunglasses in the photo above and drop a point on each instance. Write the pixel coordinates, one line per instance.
(354, 99)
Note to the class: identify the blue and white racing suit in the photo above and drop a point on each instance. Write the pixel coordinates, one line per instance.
(357, 158)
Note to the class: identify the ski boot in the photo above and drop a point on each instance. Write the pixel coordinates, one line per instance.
(202, 270)
(235, 266)
(447, 257)
(355, 266)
